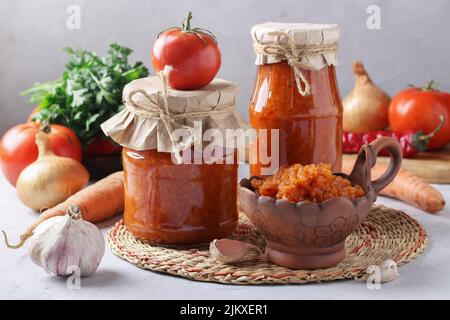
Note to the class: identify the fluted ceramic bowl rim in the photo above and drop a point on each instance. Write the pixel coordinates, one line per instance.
(370, 197)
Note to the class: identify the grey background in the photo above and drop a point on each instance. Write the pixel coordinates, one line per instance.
(412, 46)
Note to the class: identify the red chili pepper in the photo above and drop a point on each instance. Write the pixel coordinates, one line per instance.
(412, 142)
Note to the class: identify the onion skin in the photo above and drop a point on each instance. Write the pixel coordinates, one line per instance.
(366, 106)
(50, 179)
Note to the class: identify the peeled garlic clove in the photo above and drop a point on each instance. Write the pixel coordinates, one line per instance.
(229, 251)
(66, 244)
(386, 271)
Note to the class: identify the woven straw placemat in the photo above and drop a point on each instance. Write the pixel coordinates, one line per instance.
(385, 234)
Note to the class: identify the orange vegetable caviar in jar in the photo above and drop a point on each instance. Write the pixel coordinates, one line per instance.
(178, 204)
(169, 200)
(303, 103)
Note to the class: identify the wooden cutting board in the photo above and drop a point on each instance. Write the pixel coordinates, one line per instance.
(432, 166)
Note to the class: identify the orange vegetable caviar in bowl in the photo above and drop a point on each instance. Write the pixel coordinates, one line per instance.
(305, 213)
(314, 183)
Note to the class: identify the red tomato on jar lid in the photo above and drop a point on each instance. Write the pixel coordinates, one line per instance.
(18, 147)
(192, 53)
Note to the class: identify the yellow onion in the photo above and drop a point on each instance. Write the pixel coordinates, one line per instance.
(366, 106)
(50, 179)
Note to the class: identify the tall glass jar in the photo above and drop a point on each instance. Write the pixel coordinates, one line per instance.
(309, 123)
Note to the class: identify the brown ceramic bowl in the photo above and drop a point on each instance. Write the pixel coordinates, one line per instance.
(307, 235)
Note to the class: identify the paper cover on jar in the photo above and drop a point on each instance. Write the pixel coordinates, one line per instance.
(316, 43)
(304, 46)
(152, 112)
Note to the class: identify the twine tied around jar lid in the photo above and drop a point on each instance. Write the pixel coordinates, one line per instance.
(157, 111)
(293, 54)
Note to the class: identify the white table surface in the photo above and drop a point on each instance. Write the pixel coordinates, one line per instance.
(428, 277)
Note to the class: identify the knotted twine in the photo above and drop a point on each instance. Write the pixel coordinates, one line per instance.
(162, 112)
(293, 54)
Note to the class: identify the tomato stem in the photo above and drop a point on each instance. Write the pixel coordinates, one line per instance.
(186, 27)
(187, 22)
(45, 126)
(430, 86)
(433, 133)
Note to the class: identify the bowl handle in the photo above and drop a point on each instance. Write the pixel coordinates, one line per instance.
(367, 158)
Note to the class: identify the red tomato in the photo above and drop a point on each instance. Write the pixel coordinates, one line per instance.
(18, 148)
(193, 54)
(418, 109)
(101, 146)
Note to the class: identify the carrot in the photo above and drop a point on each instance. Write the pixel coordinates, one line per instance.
(97, 202)
(406, 187)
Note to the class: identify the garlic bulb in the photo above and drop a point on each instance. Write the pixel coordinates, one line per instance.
(64, 243)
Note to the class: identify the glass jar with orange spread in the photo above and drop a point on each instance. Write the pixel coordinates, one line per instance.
(167, 202)
(296, 92)
(178, 204)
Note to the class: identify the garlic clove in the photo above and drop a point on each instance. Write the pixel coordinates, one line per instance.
(230, 251)
(387, 271)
